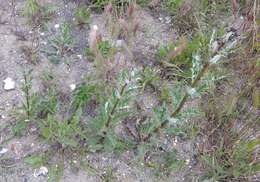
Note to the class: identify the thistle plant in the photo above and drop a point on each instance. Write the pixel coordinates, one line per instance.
(199, 73)
(170, 115)
(112, 111)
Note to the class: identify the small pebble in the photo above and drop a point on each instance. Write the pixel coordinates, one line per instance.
(56, 26)
(168, 20)
(79, 56)
(72, 87)
(215, 46)
(187, 161)
(43, 171)
(95, 27)
(9, 84)
(3, 151)
(119, 43)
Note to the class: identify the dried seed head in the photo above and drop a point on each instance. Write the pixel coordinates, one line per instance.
(124, 25)
(136, 26)
(131, 9)
(94, 38)
(109, 8)
(234, 8)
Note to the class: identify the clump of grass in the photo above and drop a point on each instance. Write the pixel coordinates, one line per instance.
(238, 163)
(32, 7)
(179, 60)
(60, 45)
(234, 156)
(82, 15)
(37, 14)
(172, 6)
(26, 113)
(149, 78)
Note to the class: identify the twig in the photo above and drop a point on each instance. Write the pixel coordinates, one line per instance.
(27, 96)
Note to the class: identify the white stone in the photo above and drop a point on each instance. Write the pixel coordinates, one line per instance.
(187, 161)
(56, 26)
(79, 56)
(168, 19)
(215, 59)
(119, 43)
(95, 27)
(214, 46)
(9, 84)
(72, 87)
(43, 171)
(3, 151)
(228, 36)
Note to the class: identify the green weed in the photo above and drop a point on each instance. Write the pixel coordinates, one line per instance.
(82, 15)
(188, 71)
(83, 94)
(237, 163)
(36, 160)
(172, 6)
(26, 113)
(56, 172)
(149, 78)
(106, 49)
(113, 109)
(37, 14)
(32, 7)
(60, 45)
(178, 58)
(62, 133)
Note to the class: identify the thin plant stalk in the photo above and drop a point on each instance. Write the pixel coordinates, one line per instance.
(115, 106)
